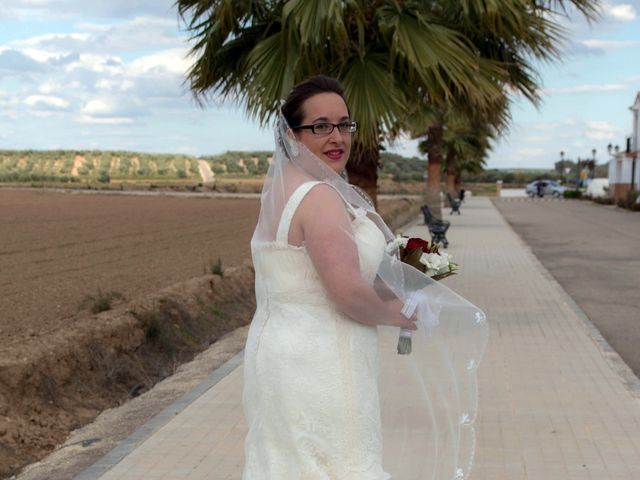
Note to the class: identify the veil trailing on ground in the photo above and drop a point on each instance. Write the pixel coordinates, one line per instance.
(428, 399)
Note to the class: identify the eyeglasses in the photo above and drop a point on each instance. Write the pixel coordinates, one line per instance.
(326, 128)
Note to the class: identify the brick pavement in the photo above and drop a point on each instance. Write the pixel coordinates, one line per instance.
(555, 402)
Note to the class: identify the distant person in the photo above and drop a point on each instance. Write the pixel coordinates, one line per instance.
(462, 190)
(539, 186)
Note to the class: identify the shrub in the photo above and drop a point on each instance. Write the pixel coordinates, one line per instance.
(603, 200)
(104, 177)
(630, 201)
(572, 194)
(101, 301)
(216, 268)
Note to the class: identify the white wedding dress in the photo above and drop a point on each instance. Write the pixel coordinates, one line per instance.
(310, 373)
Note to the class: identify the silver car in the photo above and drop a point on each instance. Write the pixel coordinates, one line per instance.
(547, 187)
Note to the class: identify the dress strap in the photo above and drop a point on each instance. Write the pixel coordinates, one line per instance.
(292, 204)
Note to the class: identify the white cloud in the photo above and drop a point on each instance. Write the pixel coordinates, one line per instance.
(609, 44)
(535, 138)
(98, 106)
(69, 9)
(623, 12)
(137, 34)
(546, 126)
(120, 106)
(601, 130)
(15, 61)
(172, 61)
(46, 102)
(105, 120)
(588, 88)
(46, 87)
(600, 125)
(61, 41)
(114, 84)
(111, 65)
(530, 152)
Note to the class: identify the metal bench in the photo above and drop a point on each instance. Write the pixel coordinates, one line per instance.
(454, 203)
(437, 228)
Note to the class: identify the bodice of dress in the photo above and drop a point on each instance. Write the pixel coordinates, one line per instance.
(296, 280)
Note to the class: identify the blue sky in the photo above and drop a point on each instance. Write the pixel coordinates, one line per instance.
(108, 74)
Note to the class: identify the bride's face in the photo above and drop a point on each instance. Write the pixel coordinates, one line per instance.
(334, 148)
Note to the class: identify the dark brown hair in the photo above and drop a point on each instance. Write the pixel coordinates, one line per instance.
(292, 108)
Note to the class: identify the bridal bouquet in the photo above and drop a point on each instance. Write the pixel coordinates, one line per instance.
(429, 259)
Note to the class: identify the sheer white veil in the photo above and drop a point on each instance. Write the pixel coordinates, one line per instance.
(428, 398)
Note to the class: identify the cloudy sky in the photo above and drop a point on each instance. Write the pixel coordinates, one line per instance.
(108, 74)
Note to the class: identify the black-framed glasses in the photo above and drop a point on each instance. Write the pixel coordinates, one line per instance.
(326, 128)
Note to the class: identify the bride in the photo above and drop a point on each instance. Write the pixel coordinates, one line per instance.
(323, 385)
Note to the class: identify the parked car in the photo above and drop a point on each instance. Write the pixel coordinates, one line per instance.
(547, 187)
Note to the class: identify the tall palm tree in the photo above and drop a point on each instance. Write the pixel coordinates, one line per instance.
(385, 53)
(462, 151)
(508, 36)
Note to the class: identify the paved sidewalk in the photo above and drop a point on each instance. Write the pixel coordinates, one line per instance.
(554, 402)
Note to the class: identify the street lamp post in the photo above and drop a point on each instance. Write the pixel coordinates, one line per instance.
(613, 156)
(635, 109)
(562, 166)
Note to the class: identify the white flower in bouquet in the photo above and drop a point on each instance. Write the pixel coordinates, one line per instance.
(436, 263)
(396, 244)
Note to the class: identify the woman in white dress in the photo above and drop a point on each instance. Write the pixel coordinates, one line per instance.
(326, 286)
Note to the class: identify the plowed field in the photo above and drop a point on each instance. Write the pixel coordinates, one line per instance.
(56, 248)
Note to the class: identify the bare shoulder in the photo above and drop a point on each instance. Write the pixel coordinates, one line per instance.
(323, 196)
(321, 206)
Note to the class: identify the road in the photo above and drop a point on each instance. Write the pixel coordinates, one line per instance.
(592, 251)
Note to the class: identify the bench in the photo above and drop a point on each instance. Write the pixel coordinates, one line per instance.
(454, 203)
(437, 228)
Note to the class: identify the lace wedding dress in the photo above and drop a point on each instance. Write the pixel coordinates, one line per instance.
(310, 373)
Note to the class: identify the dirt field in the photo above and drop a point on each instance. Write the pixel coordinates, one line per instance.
(55, 249)
(58, 248)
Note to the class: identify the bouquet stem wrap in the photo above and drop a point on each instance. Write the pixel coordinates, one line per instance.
(404, 341)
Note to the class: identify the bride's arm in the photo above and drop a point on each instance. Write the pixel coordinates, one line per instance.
(331, 245)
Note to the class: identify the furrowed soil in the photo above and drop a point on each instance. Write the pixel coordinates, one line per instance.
(60, 363)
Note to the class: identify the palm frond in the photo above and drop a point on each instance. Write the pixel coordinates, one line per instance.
(374, 98)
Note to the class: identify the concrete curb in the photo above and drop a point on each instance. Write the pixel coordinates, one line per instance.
(126, 446)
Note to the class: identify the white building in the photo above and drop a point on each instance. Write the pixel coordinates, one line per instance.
(625, 165)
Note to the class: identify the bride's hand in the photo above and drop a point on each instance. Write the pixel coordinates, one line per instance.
(397, 319)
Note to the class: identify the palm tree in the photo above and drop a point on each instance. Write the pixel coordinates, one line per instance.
(507, 36)
(463, 151)
(386, 54)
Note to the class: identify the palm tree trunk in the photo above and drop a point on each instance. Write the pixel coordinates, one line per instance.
(362, 169)
(451, 160)
(457, 183)
(434, 153)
